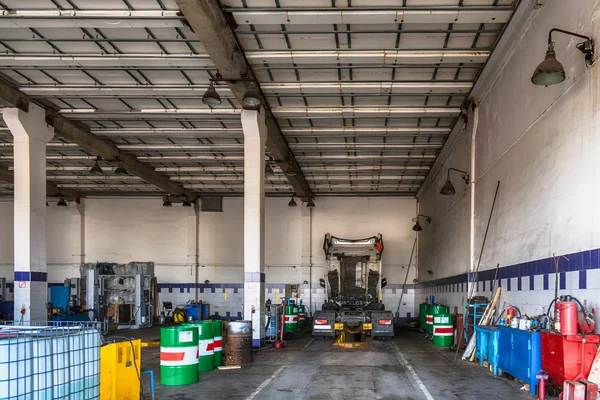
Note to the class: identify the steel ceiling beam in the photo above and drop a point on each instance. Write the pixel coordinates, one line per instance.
(108, 151)
(52, 190)
(11, 96)
(212, 28)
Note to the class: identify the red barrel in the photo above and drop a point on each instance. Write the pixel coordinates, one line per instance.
(566, 311)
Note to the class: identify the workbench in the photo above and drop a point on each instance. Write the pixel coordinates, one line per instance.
(519, 354)
(487, 346)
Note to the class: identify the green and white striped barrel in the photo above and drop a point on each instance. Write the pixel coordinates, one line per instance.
(429, 320)
(443, 330)
(301, 316)
(178, 355)
(218, 346)
(291, 318)
(423, 316)
(206, 347)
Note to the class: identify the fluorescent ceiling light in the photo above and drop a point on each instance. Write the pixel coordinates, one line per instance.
(104, 19)
(425, 15)
(367, 56)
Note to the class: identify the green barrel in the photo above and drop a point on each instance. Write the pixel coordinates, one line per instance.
(218, 347)
(301, 316)
(205, 344)
(291, 318)
(443, 330)
(206, 347)
(423, 316)
(178, 355)
(439, 309)
(429, 320)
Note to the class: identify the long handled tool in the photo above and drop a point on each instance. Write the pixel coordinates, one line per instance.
(405, 279)
(474, 283)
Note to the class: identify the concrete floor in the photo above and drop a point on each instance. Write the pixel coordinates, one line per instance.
(408, 367)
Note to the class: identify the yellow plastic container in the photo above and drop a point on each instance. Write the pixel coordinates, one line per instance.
(120, 365)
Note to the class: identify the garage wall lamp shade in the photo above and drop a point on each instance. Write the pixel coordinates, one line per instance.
(96, 170)
(311, 203)
(252, 96)
(120, 170)
(292, 202)
(551, 71)
(417, 226)
(211, 97)
(167, 202)
(448, 188)
(61, 202)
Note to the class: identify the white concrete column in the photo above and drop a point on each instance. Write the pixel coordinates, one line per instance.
(255, 136)
(81, 210)
(31, 133)
(306, 259)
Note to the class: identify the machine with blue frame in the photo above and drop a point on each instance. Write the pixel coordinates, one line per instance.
(65, 303)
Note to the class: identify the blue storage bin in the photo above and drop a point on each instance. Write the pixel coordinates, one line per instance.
(520, 354)
(487, 346)
(191, 310)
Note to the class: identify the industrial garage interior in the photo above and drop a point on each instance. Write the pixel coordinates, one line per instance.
(285, 199)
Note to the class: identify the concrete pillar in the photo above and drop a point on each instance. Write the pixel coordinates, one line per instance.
(306, 259)
(255, 136)
(31, 133)
(81, 210)
(193, 245)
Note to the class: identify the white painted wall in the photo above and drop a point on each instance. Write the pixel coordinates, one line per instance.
(123, 230)
(542, 144)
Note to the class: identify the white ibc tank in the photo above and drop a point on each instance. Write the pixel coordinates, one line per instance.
(49, 363)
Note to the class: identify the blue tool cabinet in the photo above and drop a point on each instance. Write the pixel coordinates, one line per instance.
(487, 346)
(519, 354)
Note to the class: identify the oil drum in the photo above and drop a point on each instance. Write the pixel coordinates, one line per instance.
(218, 344)
(429, 320)
(423, 316)
(178, 355)
(443, 330)
(301, 316)
(205, 344)
(291, 318)
(237, 342)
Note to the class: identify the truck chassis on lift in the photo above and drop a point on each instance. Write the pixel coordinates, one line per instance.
(354, 308)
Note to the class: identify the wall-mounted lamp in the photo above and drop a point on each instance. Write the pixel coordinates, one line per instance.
(551, 71)
(417, 227)
(448, 188)
(167, 202)
(310, 203)
(292, 202)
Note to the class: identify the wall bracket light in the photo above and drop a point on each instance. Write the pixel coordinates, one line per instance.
(417, 227)
(448, 189)
(551, 71)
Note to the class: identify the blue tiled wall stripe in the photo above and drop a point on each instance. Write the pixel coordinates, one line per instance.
(30, 276)
(581, 261)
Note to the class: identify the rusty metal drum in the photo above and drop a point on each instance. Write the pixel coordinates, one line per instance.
(237, 343)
